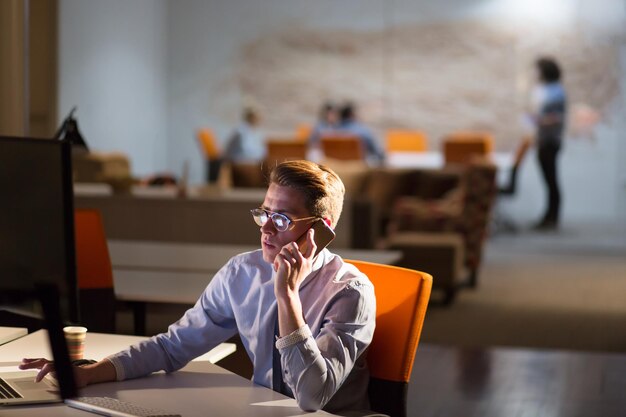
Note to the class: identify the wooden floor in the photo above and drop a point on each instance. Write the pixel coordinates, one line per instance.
(535, 338)
(457, 382)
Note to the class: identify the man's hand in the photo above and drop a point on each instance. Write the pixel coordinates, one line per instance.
(83, 375)
(45, 366)
(292, 267)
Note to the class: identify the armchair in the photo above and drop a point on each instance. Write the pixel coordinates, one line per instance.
(454, 225)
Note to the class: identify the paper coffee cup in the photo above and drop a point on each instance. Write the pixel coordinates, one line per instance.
(75, 338)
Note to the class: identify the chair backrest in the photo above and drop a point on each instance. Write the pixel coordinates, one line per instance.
(345, 148)
(303, 132)
(401, 300)
(94, 272)
(279, 150)
(406, 141)
(462, 147)
(520, 153)
(208, 144)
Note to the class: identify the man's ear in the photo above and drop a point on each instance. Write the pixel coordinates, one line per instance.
(328, 222)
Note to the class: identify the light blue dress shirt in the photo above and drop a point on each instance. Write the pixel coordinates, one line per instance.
(246, 144)
(325, 358)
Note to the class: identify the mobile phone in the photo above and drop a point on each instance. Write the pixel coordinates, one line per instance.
(322, 237)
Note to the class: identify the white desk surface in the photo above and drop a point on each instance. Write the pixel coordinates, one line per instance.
(434, 160)
(199, 389)
(97, 346)
(11, 333)
(178, 272)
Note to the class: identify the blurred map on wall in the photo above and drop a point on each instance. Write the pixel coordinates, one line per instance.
(438, 78)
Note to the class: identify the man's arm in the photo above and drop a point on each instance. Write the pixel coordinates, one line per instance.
(200, 329)
(315, 368)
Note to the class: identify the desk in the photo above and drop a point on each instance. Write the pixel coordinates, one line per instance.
(11, 333)
(165, 272)
(199, 389)
(450, 382)
(97, 346)
(434, 160)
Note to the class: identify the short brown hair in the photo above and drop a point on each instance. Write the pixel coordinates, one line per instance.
(322, 188)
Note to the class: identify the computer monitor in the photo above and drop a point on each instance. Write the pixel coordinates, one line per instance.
(36, 226)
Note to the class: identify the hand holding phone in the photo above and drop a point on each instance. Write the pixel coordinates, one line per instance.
(323, 236)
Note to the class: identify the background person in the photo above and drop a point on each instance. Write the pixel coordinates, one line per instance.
(550, 105)
(350, 125)
(327, 123)
(247, 142)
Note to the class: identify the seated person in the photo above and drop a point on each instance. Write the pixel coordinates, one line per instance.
(327, 124)
(247, 142)
(314, 315)
(350, 125)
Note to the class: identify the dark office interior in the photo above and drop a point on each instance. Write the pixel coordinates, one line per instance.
(522, 319)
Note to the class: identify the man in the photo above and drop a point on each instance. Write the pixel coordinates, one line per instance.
(325, 308)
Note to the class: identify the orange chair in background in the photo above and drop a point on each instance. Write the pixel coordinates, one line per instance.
(461, 147)
(345, 148)
(401, 301)
(279, 150)
(94, 272)
(500, 221)
(209, 146)
(211, 152)
(303, 132)
(406, 141)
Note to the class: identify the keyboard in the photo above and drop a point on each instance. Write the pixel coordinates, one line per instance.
(115, 408)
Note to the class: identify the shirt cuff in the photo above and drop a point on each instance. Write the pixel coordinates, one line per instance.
(300, 335)
(119, 369)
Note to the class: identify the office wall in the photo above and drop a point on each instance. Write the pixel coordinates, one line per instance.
(112, 65)
(437, 66)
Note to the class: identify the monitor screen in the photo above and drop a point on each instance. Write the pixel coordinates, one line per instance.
(36, 223)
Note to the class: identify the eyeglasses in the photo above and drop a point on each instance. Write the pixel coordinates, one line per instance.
(281, 222)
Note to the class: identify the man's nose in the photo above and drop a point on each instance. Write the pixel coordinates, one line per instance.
(268, 227)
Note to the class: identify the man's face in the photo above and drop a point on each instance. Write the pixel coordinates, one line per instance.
(291, 203)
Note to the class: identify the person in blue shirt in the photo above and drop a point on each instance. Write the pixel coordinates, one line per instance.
(327, 124)
(247, 142)
(350, 125)
(550, 105)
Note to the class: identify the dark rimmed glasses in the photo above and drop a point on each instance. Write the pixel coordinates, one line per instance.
(281, 222)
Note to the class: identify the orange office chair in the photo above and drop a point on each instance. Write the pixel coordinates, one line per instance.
(520, 153)
(303, 132)
(94, 272)
(406, 141)
(462, 147)
(500, 221)
(401, 300)
(345, 148)
(279, 150)
(207, 141)
(211, 153)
